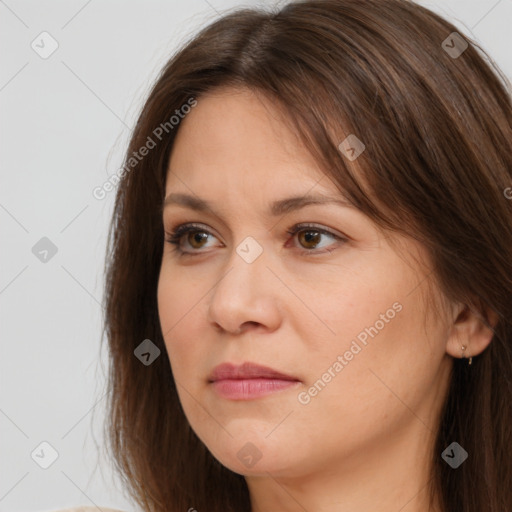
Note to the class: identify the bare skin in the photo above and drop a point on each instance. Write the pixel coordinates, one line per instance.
(363, 440)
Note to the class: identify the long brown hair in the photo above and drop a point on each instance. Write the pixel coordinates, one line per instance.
(435, 115)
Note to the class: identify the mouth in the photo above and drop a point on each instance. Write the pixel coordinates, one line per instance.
(249, 381)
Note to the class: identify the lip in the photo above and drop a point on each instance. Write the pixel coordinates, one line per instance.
(249, 381)
(246, 371)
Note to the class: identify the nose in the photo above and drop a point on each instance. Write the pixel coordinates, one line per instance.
(246, 297)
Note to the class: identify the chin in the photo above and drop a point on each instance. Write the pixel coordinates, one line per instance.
(255, 456)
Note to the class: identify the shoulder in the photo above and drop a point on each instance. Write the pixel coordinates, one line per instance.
(86, 508)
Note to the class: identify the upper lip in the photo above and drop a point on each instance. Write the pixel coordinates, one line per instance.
(246, 371)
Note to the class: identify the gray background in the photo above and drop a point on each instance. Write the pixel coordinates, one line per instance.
(65, 121)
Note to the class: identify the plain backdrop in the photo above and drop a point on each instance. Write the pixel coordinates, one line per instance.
(65, 121)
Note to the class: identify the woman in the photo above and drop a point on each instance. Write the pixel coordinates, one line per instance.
(308, 297)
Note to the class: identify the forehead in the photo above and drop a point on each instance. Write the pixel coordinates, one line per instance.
(237, 134)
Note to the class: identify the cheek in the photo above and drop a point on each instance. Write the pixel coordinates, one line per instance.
(375, 391)
(178, 296)
(182, 322)
(177, 311)
(372, 338)
(385, 363)
(354, 307)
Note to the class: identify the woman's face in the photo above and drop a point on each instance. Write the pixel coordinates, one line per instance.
(342, 317)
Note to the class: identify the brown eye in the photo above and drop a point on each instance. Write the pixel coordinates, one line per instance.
(191, 237)
(309, 238)
(197, 237)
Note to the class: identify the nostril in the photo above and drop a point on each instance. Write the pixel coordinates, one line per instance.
(247, 325)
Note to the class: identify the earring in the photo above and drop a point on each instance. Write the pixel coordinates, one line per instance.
(470, 359)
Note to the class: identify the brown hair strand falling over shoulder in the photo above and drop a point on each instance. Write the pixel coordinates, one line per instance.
(438, 138)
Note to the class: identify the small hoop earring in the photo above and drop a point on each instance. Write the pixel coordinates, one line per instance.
(470, 361)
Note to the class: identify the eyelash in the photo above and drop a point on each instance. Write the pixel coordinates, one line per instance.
(175, 236)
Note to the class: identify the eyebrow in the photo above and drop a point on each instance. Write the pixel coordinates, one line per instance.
(280, 207)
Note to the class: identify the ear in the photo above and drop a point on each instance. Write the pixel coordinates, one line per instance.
(472, 330)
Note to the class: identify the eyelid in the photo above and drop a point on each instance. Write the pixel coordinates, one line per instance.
(179, 230)
(301, 226)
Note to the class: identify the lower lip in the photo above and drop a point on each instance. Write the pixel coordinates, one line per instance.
(247, 389)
